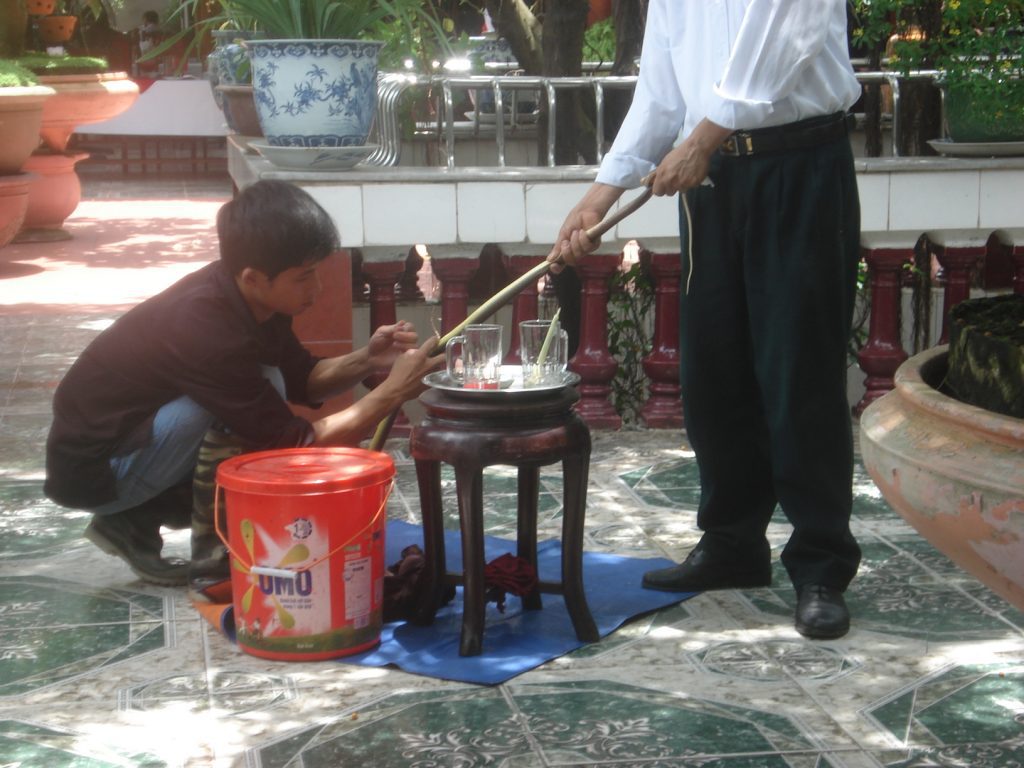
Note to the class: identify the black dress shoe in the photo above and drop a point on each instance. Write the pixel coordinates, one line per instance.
(702, 571)
(138, 544)
(821, 612)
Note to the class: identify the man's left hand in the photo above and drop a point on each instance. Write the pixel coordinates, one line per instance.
(390, 341)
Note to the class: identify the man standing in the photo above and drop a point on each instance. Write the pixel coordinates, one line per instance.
(740, 107)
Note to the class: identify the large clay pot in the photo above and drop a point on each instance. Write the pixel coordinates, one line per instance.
(955, 472)
(13, 204)
(21, 115)
(53, 195)
(83, 99)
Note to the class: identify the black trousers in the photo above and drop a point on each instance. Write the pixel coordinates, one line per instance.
(765, 325)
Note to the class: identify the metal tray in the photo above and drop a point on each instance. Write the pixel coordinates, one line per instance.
(511, 387)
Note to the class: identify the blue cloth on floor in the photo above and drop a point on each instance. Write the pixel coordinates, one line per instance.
(514, 641)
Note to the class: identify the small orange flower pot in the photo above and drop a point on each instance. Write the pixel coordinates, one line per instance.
(40, 7)
(54, 30)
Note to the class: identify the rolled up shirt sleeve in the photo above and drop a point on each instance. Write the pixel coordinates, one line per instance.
(656, 114)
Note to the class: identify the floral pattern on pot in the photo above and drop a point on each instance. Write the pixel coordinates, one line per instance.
(315, 93)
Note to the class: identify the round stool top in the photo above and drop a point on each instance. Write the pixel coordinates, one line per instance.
(442, 405)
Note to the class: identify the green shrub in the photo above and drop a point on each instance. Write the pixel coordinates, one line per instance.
(12, 75)
(42, 64)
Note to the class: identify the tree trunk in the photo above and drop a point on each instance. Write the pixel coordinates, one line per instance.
(13, 24)
(564, 25)
(516, 23)
(920, 104)
(630, 18)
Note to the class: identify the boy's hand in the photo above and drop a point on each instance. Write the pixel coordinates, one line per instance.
(406, 376)
(390, 341)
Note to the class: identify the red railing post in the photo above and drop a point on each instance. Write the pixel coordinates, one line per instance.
(383, 277)
(1013, 240)
(592, 361)
(454, 266)
(886, 256)
(664, 408)
(958, 251)
(525, 304)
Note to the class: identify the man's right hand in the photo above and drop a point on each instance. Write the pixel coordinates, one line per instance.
(572, 242)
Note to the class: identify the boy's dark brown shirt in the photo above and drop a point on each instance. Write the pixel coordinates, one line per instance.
(198, 338)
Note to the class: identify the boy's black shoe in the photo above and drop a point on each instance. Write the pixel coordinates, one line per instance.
(134, 536)
(173, 508)
(703, 571)
(821, 612)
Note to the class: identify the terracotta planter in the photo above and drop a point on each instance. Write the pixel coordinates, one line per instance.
(953, 471)
(599, 11)
(56, 30)
(21, 115)
(13, 204)
(53, 195)
(40, 7)
(82, 99)
(240, 109)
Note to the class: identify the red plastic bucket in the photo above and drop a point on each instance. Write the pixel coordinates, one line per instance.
(305, 533)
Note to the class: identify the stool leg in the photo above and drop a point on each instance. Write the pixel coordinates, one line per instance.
(428, 476)
(526, 525)
(574, 502)
(469, 489)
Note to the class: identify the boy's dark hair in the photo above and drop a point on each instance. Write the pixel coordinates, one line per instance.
(273, 226)
(151, 17)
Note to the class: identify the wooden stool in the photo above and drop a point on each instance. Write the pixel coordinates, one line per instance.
(471, 433)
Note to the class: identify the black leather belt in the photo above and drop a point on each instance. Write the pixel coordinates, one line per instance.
(811, 132)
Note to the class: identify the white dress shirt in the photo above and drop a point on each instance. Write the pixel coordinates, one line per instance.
(743, 64)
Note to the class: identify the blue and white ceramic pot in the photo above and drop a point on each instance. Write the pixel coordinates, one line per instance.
(315, 93)
(228, 62)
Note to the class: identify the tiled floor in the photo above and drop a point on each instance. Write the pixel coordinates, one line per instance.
(99, 670)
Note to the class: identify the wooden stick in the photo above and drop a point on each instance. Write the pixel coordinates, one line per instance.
(506, 294)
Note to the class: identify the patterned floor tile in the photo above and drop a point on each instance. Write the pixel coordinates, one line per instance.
(56, 630)
(98, 670)
(28, 744)
(961, 705)
(31, 526)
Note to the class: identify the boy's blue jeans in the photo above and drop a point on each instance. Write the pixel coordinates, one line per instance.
(170, 457)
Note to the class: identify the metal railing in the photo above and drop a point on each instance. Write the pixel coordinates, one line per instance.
(392, 87)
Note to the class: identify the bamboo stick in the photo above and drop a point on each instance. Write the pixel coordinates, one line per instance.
(506, 294)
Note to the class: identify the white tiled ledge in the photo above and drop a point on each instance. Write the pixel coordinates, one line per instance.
(465, 207)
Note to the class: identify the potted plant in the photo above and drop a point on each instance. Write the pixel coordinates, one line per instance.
(57, 27)
(21, 112)
(84, 92)
(977, 51)
(315, 74)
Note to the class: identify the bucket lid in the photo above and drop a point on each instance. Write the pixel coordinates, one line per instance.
(296, 471)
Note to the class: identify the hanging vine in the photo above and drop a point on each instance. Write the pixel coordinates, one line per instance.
(630, 307)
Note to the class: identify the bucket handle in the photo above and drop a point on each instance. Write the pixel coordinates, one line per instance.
(286, 572)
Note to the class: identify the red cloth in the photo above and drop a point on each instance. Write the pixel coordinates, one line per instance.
(509, 573)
